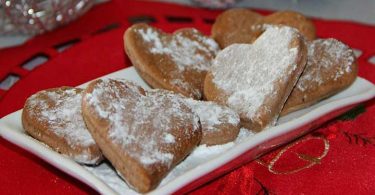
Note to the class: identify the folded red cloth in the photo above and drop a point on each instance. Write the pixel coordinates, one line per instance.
(337, 158)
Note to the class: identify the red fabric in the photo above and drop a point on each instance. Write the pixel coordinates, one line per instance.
(347, 167)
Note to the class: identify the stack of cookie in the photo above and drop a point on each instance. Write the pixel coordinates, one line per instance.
(250, 72)
(143, 133)
(258, 66)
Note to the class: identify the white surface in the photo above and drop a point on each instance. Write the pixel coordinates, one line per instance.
(194, 166)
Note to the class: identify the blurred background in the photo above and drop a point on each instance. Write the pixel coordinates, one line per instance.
(358, 10)
(21, 19)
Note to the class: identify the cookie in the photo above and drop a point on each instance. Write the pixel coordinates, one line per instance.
(220, 124)
(236, 25)
(293, 19)
(256, 79)
(331, 67)
(144, 134)
(54, 117)
(244, 26)
(176, 62)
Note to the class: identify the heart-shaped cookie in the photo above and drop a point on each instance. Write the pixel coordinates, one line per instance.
(177, 62)
(256, 79)
(220, 124)
(144, 134)
(54, 117)
(244, 26)
(331, 67)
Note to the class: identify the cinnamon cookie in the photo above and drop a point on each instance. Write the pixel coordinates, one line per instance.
(244, 26)
(177, 62)
(293, 19)
(144, 134)
(236, 25)
(331, 67)
(220, 124)
(256, 79)
(54, 117)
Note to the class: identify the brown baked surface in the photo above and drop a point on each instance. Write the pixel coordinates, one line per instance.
(228, 63)
(53, 117)
(176, 62)
(236, 25)
(220, 124)
(293, 19)
(244, 26)
(331, 67)
(144, 134)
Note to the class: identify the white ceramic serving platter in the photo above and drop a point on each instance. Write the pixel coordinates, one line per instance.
(204, 163)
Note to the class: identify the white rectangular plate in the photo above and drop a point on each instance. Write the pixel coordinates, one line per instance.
(203, 164)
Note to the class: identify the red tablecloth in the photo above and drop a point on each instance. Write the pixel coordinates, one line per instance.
(338, 158)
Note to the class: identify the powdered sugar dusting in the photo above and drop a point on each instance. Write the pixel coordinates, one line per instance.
(186, 86)
(204, 153)
(107, 174)
(61, 110)
(86, 158)
(142, 121)
(200, 155)
(211, 114)
(247, 73)
(185, 52)
(169, 138)
(325, 56)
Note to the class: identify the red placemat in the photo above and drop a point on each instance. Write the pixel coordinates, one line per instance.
(337, 158)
